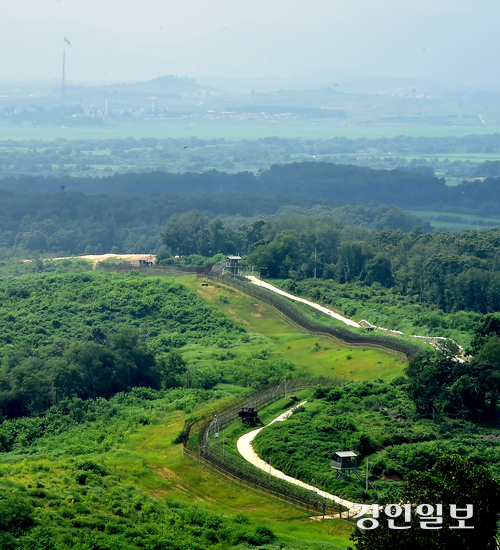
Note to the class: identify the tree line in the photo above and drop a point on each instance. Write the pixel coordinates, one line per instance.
(75, 223)
(450, 271)
(439, 384)
(314, 181)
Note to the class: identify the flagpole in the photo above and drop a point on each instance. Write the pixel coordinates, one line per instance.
(63, 86)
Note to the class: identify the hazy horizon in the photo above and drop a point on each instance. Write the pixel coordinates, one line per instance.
(316, 42)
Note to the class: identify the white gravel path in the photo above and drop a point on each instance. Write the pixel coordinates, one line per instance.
(258, 282)
(246, 450)
(432, 339)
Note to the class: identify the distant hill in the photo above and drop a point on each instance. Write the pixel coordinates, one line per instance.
(163, 86)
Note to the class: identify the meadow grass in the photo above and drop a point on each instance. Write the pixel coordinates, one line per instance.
(143, 457)
(267, 327)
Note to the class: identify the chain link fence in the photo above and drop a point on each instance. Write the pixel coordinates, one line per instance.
(294, 313)
(203, 443)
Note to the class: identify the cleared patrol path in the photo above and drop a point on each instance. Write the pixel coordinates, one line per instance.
(246, 450)
(258, 282)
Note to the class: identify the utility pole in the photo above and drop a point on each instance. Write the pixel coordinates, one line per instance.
(315, 262)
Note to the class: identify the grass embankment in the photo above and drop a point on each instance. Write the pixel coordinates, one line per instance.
(385, 307)
(269, 329)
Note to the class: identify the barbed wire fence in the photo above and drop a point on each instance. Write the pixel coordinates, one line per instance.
(200, 441)
(203, 443)
(283, 305)
(293, 312)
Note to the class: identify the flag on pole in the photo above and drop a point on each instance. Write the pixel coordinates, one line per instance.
(67, 41)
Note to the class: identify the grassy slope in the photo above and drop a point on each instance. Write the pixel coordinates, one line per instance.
(144, 457)
(295, 346)
(385, 307)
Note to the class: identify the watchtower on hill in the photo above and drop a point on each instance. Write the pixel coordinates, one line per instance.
(248, 416)
(233, 265)
(344, 462)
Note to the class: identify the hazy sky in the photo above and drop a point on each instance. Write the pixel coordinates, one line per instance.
(156, 22)
(130, 40)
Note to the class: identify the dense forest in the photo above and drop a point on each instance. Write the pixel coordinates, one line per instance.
(74, 223)
(90, 335)
(451, 271)
(318, 181)
(314, 181)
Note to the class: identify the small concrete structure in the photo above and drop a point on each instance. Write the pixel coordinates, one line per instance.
(233, 265)
(344, 462)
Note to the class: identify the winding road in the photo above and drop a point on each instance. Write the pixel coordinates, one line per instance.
(432, 340)
(246, 450)
(259, 282)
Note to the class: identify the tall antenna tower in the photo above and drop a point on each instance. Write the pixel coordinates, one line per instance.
(63, 85)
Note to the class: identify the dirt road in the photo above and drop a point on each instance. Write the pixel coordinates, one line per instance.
(246, 450)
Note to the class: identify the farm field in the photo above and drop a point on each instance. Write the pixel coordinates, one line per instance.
(450, 221)
(238, 130)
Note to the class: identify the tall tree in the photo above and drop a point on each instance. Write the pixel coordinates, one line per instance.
(452, 480)
(187, 233)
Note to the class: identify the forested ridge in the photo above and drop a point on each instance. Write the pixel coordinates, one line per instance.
(312, 180)
(75, 223)
(317, 181)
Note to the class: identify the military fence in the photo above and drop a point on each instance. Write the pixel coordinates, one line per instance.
(203, 442)
(298, 316)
